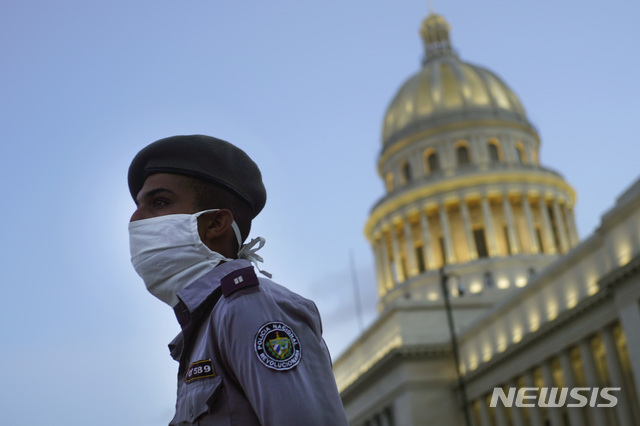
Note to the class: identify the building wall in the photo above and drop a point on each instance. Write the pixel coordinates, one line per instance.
(408, 383)
(575, 323)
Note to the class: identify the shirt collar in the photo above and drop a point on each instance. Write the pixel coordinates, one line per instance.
(193, 295)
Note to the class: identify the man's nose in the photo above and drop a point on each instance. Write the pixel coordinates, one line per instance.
(137, 215)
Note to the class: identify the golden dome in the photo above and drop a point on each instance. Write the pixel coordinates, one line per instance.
(447, 89)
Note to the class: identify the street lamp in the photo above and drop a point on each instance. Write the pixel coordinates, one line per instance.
(454, 345)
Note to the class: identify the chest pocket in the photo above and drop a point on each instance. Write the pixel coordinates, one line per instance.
(201, 404)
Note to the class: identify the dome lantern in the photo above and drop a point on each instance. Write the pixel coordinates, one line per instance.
(448, 90)
(435, 35)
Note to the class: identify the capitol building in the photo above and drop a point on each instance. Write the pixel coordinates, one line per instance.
(472, 221)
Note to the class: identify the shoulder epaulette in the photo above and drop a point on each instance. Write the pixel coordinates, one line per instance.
(236, 280)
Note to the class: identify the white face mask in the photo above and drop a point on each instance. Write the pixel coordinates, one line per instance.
(168, 254)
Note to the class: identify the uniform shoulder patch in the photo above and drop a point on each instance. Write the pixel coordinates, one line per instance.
(277, 346)
(236, 280)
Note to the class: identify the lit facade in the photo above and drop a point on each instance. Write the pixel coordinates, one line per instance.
(465, 192)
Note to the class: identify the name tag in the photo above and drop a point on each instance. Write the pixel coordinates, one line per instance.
(199, 370)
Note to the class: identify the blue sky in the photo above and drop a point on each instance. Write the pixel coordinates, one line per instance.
(302, 87)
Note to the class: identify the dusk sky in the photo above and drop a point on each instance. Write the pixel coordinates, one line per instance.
(302, 87)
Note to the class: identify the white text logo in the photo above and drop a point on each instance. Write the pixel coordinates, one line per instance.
(554, 397)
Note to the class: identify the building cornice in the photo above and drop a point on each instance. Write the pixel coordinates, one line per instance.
(394, 357)
(464, 182)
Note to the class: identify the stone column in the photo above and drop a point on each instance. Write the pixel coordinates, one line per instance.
(446, 233)
(485, 418)
(616, 376)
(562, 228)
(546, 225)
(591, 378)
(386, 264)
(511, 227)
(488, 224)
(389, 279)
(517, 413)
(466, 221)
(575, 413)
(630, 321)
(501, 415)
(384, 420)
(533, 237)
(429, 259)
(571, 225)
(377, 253)
(397, 258)
(535, 413)
(555, 415)
(412, 268)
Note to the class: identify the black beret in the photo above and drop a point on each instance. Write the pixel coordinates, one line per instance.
(203, 157)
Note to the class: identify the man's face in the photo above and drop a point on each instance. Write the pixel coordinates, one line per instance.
(163, 194)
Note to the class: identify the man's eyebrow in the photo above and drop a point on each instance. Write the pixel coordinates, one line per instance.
(154, 192)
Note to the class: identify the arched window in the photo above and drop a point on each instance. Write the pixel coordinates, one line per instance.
(406, 172)
(494, 152)
(433, 164)
(462, 155)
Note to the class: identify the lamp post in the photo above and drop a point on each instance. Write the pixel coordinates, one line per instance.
(454, 345)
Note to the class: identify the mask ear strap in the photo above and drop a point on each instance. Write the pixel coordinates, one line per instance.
(248, 252)
(236, 230)
(234, 225)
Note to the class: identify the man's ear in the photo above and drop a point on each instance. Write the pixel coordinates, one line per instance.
(214, 226)
(216, 232)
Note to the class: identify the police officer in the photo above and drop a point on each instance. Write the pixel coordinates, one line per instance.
(250, 351)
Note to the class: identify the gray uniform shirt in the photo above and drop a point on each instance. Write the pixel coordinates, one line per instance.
(251, 353)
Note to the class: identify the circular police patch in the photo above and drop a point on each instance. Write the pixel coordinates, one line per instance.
(277, 346)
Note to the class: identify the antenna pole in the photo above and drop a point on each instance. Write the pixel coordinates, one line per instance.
(356, 290)
(430, 5)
